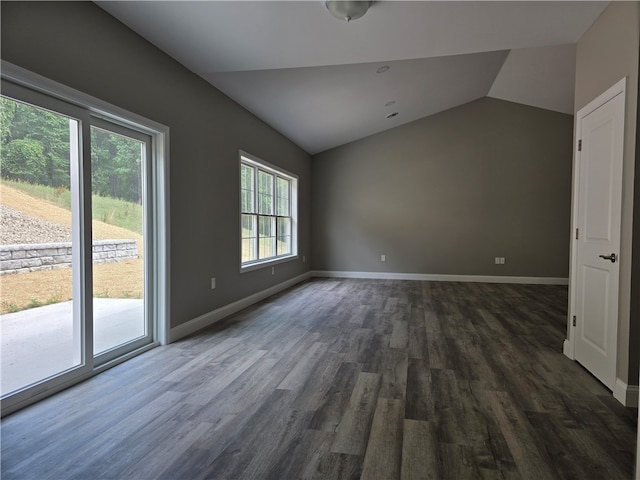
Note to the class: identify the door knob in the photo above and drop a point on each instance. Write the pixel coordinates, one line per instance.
(611, 257)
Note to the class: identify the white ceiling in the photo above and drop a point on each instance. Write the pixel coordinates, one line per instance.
(313, 77)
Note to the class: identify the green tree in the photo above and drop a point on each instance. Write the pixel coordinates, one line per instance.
(35, 148)
(116, 165)
(23, 159)
(7, 112)
(28, 126)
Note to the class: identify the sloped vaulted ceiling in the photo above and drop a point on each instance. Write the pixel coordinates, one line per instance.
(314, 78)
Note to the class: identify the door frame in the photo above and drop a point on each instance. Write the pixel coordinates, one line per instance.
(158, 285)
(619, 88)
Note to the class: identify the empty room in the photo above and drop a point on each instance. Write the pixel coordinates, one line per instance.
(319, 239)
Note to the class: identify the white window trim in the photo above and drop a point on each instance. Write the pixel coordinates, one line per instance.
(245, 157)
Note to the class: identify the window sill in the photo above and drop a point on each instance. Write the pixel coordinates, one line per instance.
(266, 263)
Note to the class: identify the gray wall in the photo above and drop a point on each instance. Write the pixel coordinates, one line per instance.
(448, 193)
(606, 53)
(81, 46)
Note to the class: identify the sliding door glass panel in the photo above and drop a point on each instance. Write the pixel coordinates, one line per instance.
(118, 211)
(40, 322)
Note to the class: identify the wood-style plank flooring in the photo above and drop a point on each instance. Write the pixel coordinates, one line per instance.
(343, 379)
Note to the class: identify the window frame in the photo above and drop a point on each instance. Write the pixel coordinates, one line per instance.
(260, 165)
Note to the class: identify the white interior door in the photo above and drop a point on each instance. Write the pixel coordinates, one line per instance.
(598, 235)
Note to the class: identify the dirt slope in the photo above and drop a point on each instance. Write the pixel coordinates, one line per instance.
(113, 280)
(51, 212)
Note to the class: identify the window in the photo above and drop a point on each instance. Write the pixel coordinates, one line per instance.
(268, 213)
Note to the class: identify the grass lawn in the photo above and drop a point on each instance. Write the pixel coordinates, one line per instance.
(29, 290)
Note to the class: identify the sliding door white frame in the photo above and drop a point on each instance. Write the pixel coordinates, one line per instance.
(80, 240)
(85, 107)
(149, 264)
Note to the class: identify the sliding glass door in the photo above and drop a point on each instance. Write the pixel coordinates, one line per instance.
(77, 246)
(41, 251)
(119, 204)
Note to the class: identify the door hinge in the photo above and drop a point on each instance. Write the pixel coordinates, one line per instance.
(574, 320)
(577, 233)
(580, 145)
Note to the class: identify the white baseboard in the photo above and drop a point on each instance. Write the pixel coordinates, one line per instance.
(441, 278)
(567, 349)
(627, 395)
(214, 316)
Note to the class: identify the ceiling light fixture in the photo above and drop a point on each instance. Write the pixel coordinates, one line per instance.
(391, 115)
(382, 69)
(347, 10)
(389, 103)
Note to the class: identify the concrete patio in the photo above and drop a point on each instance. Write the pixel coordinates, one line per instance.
(38, 343)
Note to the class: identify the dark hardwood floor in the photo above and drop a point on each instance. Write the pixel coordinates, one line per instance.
(343, 379)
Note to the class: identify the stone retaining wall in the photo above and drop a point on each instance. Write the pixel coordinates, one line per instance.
(47, 256)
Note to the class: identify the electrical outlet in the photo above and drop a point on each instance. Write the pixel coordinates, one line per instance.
(502, 260)
(383, 258)
(304, 259)
(497, 260)
(273, 270)
(213, 283)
